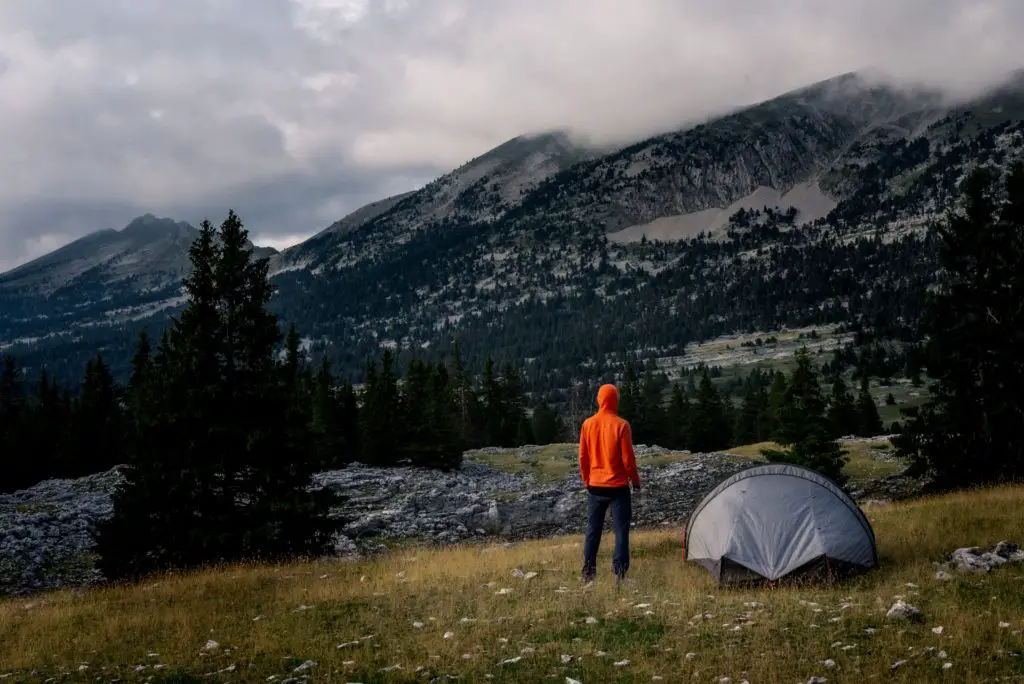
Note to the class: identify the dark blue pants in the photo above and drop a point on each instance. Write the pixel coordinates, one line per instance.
(599, 500)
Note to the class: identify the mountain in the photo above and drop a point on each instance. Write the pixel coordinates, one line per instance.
(479, 191)
(807, 209)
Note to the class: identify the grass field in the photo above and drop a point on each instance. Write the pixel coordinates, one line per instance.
(461, 613)
(553, 463)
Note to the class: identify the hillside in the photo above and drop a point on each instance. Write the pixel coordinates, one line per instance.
(541, 250)
(517, 612)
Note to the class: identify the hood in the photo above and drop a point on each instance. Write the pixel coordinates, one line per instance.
(608, 398)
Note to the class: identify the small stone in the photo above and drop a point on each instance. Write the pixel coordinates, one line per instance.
(211, 645)
(817, 680)
(943, 576)
(621, 663)
(691, 656)
(901, 610)
(417, 625)
(898, 664)
(591, 620)
(829, 663)
(947, 665)
(570, 680)
(937, 630)
(566, 658)
(448, 635)
(308, 665)
(1004, 625)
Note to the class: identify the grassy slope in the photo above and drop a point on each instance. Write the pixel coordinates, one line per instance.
(653, 624)
(554, 462)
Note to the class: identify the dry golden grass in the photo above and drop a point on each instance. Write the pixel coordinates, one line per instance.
(554, 462)
(861, 466)
(308, 610)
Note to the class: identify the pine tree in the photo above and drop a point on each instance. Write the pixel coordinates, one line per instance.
(98, 426)
(546, 425)
(869, 423)
(843, 417)
(677, 419)
(629, 393)
(492, 407)
(969, 432)
(803, 429)
(224, 464)
(15, 466)
(751, 421)
(380, 421)
(467, 413)
(709, 428)
(776, 405)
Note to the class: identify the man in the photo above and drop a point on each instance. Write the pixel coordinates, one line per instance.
(608, 466)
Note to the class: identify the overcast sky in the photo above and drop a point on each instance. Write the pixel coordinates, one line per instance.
(295, 112)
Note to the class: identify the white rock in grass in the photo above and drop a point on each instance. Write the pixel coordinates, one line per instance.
(901, 610)
(566, 658)
(308, 665)
(449, 635)
(621, 663)
(591, 620)
(211, 645)
(530, 575)
(503, 592)
(1004, 625)
(947, 665)
(817, 680)
(511, 661)
(937, 630)
(570, 680)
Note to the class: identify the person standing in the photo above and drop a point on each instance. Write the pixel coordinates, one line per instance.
(608, 467)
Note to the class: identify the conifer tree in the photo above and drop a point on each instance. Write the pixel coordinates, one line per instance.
(380, 420)
(709, 427)
(776, 404)
(843, 416)
(224, 463)
(803, 429)
(98, 429)
(14, 464)
(751, 420)
(869, 423)
(677, 419)
(547, 425)
(969, 432)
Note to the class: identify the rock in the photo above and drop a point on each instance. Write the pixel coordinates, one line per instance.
(46, 531)
(901, 610)
(977, 560)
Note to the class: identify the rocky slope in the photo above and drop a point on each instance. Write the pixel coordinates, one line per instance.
(45, 531)
(542, 239)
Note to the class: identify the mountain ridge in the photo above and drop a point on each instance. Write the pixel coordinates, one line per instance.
(507, 249)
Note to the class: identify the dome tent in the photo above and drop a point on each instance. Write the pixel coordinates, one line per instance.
(779, 521)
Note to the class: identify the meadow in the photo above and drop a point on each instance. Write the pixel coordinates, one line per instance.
(518, 613)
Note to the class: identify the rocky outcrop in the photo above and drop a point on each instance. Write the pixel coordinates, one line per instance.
(46, 531)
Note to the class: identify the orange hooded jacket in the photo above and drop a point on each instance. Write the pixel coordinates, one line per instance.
(606, 445)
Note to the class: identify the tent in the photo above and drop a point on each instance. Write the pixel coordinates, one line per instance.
(779, 522)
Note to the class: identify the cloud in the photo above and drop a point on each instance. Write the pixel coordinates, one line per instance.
(295, 112)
